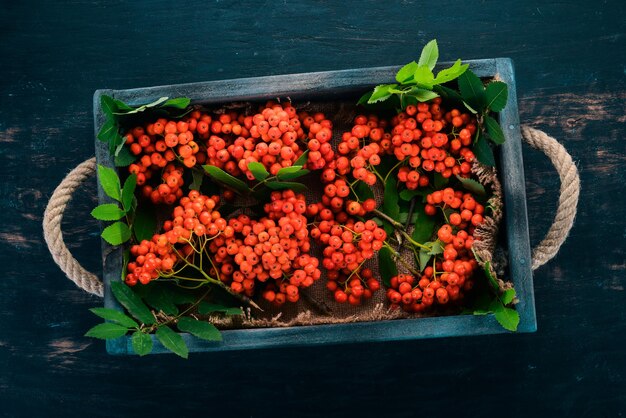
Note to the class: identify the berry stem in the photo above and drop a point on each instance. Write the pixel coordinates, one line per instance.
(219, 283)
(400, 228)
(398, 257)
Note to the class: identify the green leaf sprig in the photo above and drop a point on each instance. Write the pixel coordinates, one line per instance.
(129, 219)
(115, 109)
(415, 82)
(141, 321)
(483, 101)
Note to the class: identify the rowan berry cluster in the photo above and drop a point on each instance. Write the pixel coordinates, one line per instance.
(425, 136)
(273, 249)
(361, 156)
(194, 217)
(353, 287)
(451, 273)
(441, 145)
(275, 136)
(347, 245)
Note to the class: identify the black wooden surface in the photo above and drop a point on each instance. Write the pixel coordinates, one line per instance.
(570, 65)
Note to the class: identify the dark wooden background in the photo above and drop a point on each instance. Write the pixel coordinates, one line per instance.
(570, 59)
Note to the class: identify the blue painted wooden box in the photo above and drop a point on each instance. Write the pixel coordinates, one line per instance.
(334, 85)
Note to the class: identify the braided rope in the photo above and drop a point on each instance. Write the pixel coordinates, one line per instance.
(546, 250)
(568, 198)
(54, 236)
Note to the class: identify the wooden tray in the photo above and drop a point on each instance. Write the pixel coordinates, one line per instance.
(341, 85)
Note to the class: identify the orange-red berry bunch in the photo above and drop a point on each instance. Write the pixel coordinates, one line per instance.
(347, 245)
(158, 145)
(466, 212)
(352, 287)
(273, 249)
(170, 190)
(432, 140)
(275, 137)
(451, 273)
(194, 217)
(318, 139)
(360, 148)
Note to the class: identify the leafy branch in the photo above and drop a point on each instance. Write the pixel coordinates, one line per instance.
(138, 222)
(142, 321)
(114, 110)
(416, 80)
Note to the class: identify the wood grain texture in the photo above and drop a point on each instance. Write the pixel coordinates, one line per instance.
(570, 62)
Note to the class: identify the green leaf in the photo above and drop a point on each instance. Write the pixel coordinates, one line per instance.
(124, 158)
(117, 233)
(497, 94)
(470, 108)
(172, 341)
(507, 317)
(107, 331)
(290, 173)
(284, 185)
(125, 258)
(404, 217)
(365, 98)
(226, 179)
(110, 182)
(386, 266)
(182, 296)
(205, 308)
(133, 303)
(405, 74)
(302, 159)
(422, 95)
(472, 90)
(157, 102)
(108, 212)
(436, 247)
(424, 77)
(121, 105)
(408, 194)
(492, 280)
(440, 181)
(142, 343)
(508, 296)
(145, 223)
(494, 130)
(362, 191)
(258, 170)
(424, 224)
(449, 74)
(108, 131)
(472, 185)
(429, 55)
(381, 93)
(108, 105)
(128, 192)
(448, 94)
(115, 316)
(200, 329)
(423, 259)
(178, 103)
(483, 152)
(161, 300)
(391, 205)
(197, 178)
(390, 198)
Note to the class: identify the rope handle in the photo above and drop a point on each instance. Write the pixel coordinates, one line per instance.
(542, 253)
(568, 196)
